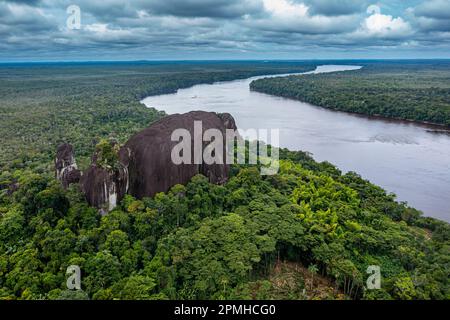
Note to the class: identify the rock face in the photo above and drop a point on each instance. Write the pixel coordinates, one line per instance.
(103, 188)
(105, 182)
(147, 155)
(145, 166)
(65, 166)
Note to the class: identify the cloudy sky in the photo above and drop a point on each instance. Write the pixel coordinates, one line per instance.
(45, 30)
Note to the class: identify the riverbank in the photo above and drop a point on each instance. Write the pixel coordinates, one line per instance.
(418, 93)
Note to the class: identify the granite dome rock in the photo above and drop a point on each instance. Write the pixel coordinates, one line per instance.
(144, 166)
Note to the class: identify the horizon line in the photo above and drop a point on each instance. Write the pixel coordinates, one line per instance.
(221, 60)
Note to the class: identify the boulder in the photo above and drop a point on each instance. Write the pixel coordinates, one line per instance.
(143, 166)
(147, 154)
(66, 169)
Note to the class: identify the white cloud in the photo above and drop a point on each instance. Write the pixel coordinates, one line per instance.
(291, 17)
(373, 9)
(285, 9)
(97, 28)
(384, 26)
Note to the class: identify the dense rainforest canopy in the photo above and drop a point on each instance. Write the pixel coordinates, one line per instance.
(207, 241)
(308, 232)
(414, 90)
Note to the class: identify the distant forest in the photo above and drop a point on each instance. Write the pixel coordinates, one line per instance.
(408, 90)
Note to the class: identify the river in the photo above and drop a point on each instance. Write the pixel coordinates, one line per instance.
(404, 158)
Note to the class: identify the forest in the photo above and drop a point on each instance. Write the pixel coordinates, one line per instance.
(309, 232)
(415, 90)
(45, 104)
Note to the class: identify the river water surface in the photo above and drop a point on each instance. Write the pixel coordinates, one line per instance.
(403, 158)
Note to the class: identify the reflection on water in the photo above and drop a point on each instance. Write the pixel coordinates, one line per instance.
(395, 139)
(410, 160)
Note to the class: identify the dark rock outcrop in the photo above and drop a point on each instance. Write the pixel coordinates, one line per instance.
(147, 155)
(103, 188)
(65, 166)
(145, 166)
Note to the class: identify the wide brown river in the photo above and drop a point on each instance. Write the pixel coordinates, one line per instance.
(404, 158)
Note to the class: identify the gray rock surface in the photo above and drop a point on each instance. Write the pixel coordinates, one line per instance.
(104, 188)
(66, 169)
